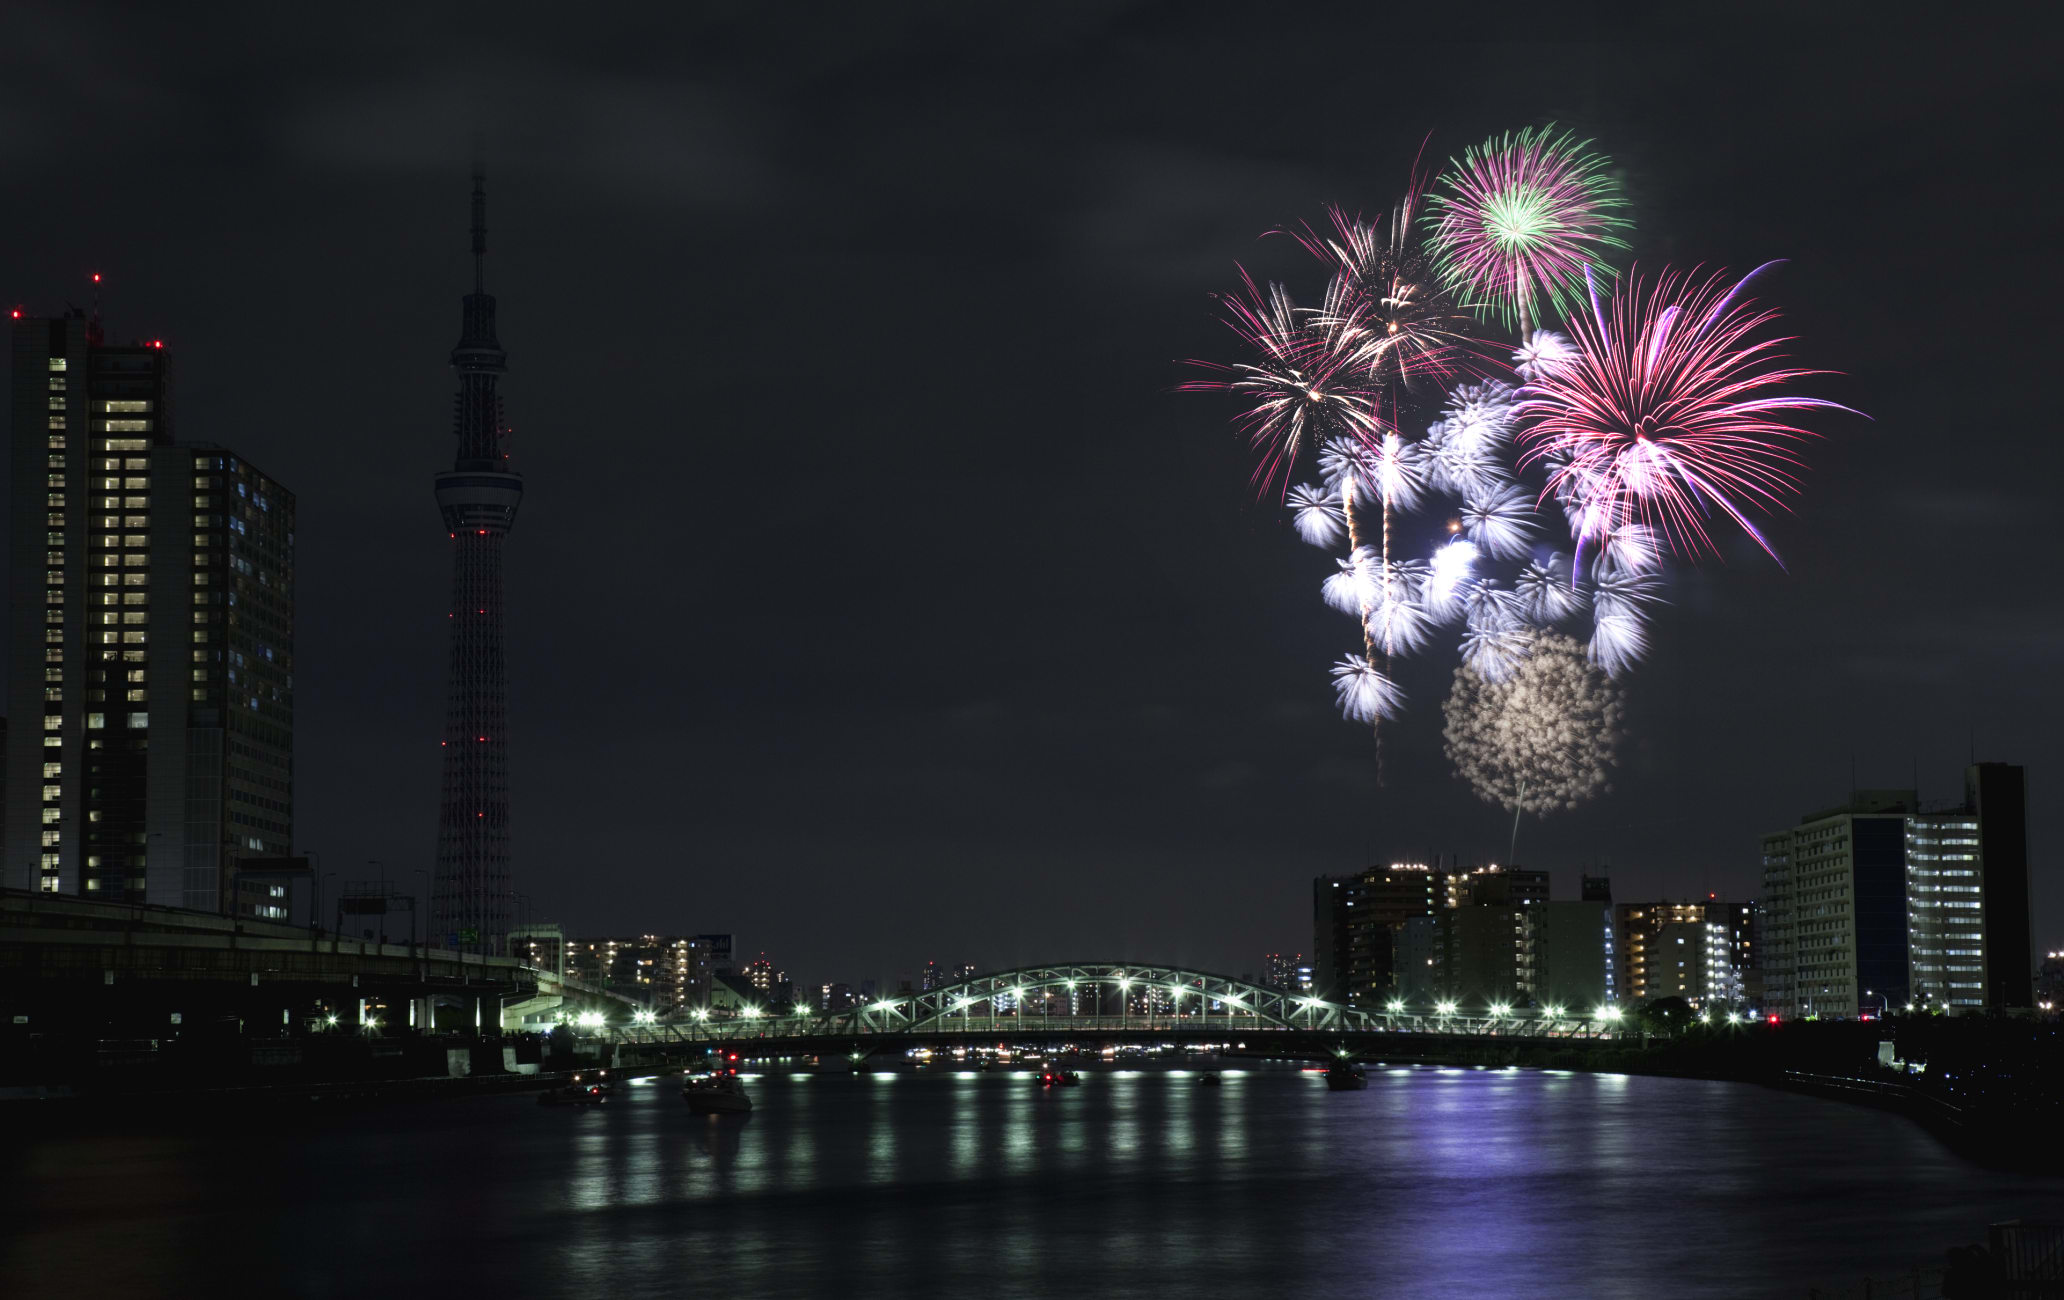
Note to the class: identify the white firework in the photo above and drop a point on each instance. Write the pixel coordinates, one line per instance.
(1451, 568)
(1479, 413)
(1392, 469)
(1546, 594)
(1618, 641)
(1397, 623)
(1364, 694)
(1316, 515)
(1543, 738)
(1341, 457)
(1490, 607)
(1461, 464)
(1617, 593)
(1541, 353)
(1500, 522)
(1406, 579)
(1494, 651)
(1631, 549)
(1353, 588)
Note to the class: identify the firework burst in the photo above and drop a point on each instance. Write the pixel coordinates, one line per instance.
(1521, 218)
(1666, 414)
(1544, 737)
(1387, 300)
(1316, 515)
(1364, 693)
(1302, 384)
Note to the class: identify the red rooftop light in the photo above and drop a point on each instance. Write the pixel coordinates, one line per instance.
(96, 277)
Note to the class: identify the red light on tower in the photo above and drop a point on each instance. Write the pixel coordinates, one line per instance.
(96, 277)
(17, 313)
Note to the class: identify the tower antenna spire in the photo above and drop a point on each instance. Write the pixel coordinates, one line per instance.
(479, 222)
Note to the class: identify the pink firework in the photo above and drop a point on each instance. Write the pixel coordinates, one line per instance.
(1664, 415)
(1522, 219)
(1388, 301)
(1306, 381)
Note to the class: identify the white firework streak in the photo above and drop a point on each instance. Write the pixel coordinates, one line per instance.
(1500, 521)
(1452, 567)
(1397, 623)
(1619, 594)
(1364, 694)
(1340, 457)
(1357, 584)
(1481, 412)
(1618, 641)
(1393, 468)
(1494, 652)
(1631, 549)
(1540, 354)
(1316, 515)
(1406, 579)
(1462, 463)
(1490, 606)
(1545, 593)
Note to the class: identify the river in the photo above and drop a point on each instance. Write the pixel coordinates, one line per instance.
(1433, 1182)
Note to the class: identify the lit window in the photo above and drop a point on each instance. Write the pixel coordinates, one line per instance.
(130, 406)
(127, 426)
(139, 720)
(51, 771)
(57, 363)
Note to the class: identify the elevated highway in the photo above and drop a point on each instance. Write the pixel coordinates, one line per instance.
(65, 956)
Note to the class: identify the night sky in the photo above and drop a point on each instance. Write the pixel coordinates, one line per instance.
(874, 597)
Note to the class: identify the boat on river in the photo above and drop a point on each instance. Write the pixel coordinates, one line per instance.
(717, 1094)
(1346, 1076)
(1059, 1079)
(576, 1091)
(1208, 1079)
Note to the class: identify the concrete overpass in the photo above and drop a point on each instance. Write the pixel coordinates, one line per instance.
(138, 965)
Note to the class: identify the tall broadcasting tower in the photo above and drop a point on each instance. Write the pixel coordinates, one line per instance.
(471, 900)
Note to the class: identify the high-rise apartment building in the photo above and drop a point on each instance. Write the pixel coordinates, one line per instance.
(1967, 896)
(472, 898)
(1886, 901)
(1487, 954)
(1836, 888)
(152, 637)
(1355, 922)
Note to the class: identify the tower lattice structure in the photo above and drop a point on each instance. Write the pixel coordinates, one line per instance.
(472, 898)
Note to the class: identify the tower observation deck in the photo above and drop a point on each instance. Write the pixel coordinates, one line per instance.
(471, 898)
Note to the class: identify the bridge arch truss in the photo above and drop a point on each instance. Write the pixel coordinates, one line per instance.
(1098, 996)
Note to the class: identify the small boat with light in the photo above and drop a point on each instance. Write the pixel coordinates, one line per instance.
(576, 1091)
(1059, 1079)
(1346, 1076)
(717, 1094)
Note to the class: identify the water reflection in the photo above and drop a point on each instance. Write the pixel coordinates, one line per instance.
(1135, 1183)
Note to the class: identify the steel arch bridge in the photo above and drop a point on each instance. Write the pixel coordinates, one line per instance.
(1091, 998)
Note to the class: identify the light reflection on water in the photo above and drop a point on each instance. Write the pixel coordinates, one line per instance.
(1430, 1182)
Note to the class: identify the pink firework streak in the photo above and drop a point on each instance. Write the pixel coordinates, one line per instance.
(1663, 415)
(1305, 384)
